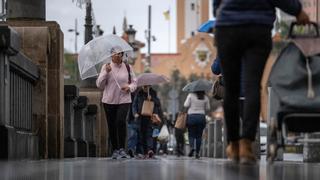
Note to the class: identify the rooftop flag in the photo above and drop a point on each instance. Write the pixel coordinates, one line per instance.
(167, 14)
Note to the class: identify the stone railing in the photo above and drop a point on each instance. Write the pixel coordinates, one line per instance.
(213, 142)
(90, 129)
(79, 124)
(71, 94)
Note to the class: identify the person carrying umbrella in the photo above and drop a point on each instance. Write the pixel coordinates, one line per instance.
(117, 81)
(197, 103)
(145, 122)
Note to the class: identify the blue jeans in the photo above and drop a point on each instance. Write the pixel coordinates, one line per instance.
(133, 133)
(196, 124)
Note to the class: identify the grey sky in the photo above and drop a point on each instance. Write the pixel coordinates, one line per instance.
(109, 13)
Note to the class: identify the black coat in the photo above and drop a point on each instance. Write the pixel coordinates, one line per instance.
(141, 96)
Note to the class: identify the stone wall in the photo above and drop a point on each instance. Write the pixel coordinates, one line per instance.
(43, 43)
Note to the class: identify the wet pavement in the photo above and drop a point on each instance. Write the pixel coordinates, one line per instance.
(162, 168)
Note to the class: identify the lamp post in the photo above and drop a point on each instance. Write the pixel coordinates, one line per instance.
(148, 64)
(98, 31)
(132, 41)
(88, 26)
(149, 38)
(89, 82)
(131, 35)
(76, 34)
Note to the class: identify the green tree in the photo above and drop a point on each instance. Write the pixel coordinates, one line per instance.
(70, 68)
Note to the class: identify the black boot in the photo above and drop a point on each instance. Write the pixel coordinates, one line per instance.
(197, 156)
(191, 153)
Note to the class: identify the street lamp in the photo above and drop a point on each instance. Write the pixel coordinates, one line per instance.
(98, 31)
(132, 41)
(131, 35)
(76, 34)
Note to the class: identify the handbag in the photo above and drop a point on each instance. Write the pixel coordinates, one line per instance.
(218, 89)
(147, 107)
(181, 120)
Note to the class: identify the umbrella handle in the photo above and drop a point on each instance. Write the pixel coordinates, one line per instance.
(149, 97)
(115, 80)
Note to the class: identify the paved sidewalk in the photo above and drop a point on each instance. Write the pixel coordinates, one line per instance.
(162, 168)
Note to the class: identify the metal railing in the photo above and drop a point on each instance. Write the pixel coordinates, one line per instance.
(22, 76)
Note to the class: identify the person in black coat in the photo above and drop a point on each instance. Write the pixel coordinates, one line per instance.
(146, 125)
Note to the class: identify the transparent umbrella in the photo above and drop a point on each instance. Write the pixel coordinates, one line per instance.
(99, 51)
(151, 79)
(198, 85)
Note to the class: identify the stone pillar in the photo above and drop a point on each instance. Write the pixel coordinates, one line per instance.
(79, 126)
(218, 143)
(43, 44)
(311, 151)
(26, 9)
(71, 93)
(210, 139)
(91, 117)
(94, 97)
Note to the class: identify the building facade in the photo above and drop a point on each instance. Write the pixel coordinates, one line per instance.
(195, 51)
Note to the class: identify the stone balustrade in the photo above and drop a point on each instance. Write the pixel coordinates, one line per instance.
(90, 129)
(79, 126)
(71, 93)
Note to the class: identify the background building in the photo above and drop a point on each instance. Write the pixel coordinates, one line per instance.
(195, 51)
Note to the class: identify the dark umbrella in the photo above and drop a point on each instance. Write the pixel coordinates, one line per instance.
(198, 85)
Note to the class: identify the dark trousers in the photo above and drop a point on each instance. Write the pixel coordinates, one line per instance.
(249, 46)
(180, 141)
(145, 135)
(116, 117)
(196, 124)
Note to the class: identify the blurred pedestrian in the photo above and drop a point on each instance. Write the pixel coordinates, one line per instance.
(179, 134)
(117, 81)
(197, 104)
(243, 37)
(146, 124)
(134, 147)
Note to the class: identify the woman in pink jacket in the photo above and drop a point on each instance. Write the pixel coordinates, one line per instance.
(117, 81)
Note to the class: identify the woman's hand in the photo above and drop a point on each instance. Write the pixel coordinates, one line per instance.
(126, 88)
(155, 119)
(302, 18)
(108, 68)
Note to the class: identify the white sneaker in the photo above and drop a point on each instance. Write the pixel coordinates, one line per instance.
(123, 154)
(115, 154)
